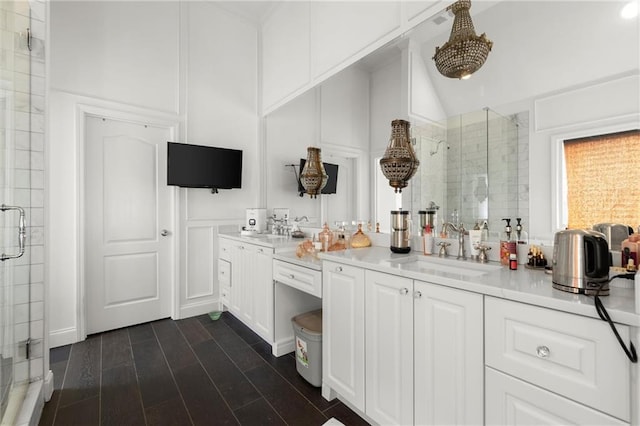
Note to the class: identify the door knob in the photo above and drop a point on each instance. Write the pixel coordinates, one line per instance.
(164, 232)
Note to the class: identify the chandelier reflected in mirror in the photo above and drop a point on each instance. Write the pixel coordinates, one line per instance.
(465, 52)
(313, 177)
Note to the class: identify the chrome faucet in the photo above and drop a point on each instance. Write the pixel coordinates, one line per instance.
(461, 231)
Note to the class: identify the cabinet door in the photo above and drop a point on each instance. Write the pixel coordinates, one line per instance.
(389, 348)
(285, 52)
(348, 30)
(513, 402)
(448, 357)
(237, 279)
(261, 288)
(343, 331)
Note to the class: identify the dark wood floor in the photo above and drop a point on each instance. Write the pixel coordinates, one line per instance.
(192, 371)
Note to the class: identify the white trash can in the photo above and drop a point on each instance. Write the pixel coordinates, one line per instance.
(307, 330)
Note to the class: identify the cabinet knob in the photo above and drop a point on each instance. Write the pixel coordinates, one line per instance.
(339, 269)
(404, 291)
(241, 247)
(417, 294)
(292, 276)
(543, 351)
(260, 251)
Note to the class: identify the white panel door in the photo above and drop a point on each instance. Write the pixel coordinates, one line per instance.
(389, 348)
(128, 260)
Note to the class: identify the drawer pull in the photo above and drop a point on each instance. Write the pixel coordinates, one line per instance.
(292, 276)
(404, 291)
(543, 351)
(417, 294)
(339, 269)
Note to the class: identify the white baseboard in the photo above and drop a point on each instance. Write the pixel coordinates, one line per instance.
(64, 336)
(283, 347)
(199, 308)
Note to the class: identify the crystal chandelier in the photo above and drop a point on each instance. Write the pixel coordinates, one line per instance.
(313, 176)
(465, 52)
(399, 162)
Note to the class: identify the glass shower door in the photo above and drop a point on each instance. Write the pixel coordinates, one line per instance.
(15, 195)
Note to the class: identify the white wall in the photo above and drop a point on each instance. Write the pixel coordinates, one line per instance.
(193, 65)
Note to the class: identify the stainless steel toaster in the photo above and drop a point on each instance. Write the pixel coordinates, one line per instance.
(581, 261)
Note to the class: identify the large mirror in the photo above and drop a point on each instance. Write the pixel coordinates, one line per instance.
(556, 68)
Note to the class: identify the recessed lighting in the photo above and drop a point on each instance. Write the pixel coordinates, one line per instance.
(630, 10)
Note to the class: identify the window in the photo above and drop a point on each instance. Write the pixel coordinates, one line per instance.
(603, 179)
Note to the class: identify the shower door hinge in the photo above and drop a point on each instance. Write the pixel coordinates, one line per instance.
(27, 347)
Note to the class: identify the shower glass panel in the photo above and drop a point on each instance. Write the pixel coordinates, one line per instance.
(15, 199)
(469, 168)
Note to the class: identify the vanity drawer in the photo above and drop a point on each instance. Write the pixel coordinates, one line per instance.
(572, 355)
(224, 273)
(304, 279)
(510, 401)
(224, 249)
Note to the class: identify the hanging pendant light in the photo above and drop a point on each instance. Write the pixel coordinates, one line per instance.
(313, 176)
(399, 162)
(465, 52)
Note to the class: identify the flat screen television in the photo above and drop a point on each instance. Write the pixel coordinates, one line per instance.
(332, 179)
(197, 166)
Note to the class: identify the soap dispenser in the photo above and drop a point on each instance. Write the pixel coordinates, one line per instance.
(507, 243)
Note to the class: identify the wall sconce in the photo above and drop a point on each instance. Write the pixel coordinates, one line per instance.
(465, 52)
(313, 176)
(399, 162)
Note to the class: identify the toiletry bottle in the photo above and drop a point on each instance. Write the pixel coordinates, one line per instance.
(485, 231)
(475, 238)
(513, 261)
(427, 240)
(507, 243)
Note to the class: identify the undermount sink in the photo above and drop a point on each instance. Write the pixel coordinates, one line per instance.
(453, 266)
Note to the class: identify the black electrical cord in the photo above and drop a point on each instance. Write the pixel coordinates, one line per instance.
(604, 316)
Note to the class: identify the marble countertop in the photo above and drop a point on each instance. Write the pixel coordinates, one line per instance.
(278, 243)
(523, 285)
(305, 262)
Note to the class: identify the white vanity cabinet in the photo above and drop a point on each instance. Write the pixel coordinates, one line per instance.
(343, 363)
(424, 359)
(250, 289)
(560, 367)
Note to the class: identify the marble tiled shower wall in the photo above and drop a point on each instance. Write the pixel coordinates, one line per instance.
(477, 164)
(28, 108)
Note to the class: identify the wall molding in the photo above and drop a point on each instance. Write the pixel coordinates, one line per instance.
(62, 337)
